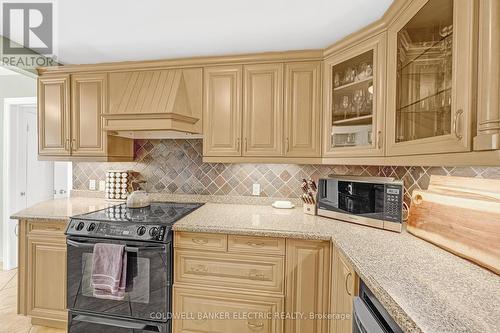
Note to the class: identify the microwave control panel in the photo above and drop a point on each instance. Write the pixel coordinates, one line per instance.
(393, 199)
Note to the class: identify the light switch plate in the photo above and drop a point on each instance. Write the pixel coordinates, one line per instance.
(256, 189)
(92, 184)
(102, 185)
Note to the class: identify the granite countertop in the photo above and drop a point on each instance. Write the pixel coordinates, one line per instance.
(424, 288)
(62, 209)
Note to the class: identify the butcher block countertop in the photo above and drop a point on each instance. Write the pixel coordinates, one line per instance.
(424, 288)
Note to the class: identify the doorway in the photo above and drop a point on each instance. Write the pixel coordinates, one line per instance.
(26, 180)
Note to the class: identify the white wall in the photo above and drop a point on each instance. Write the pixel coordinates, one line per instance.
(11, 86)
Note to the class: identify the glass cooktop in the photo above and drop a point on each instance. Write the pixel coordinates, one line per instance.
(164, 213)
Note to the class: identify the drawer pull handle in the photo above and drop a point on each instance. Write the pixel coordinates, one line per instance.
(254, 275)
(253, 244)
(255, 326)
(458, 115)
(199, 269)
(199, 241)
(346, 283)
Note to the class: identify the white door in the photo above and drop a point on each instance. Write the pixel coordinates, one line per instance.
(29, 181)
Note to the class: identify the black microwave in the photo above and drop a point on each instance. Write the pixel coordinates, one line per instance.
(372, 201)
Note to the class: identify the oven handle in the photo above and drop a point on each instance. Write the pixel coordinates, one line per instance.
(116, 323)
(134, 249)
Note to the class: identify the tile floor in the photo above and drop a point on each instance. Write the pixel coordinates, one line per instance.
(10, 322)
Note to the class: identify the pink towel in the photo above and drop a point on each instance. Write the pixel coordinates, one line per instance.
(109, 271)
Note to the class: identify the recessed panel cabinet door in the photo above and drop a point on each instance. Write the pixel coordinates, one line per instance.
(88, 102)
(307, 284)
(222, 111)
(54, 116)
(344, 289)
(46, 269)
(303, 109)
(263, 110)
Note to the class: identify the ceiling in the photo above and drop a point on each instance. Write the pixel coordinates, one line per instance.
(94, 31)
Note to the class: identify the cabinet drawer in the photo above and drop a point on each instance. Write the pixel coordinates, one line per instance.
(243, 311)
(252, 244)
(198, 240)
(226, 270)
(41, 227)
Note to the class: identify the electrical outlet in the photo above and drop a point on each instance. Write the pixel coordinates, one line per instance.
(92, 184)
(102, 185)
(256, 189)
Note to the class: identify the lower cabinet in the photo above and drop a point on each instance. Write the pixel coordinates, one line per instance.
(257, 284)
(345, 287)
(210, 311)
(308, 285)
(42, 272)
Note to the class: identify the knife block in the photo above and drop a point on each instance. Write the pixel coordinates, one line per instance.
(309, 209)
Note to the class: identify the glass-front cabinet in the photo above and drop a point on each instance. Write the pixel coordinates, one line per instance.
(354, 83)
(430, 78)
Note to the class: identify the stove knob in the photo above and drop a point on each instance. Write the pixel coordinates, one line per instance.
(91, 227)
(80, 226)
(141, 230)
(153, 231)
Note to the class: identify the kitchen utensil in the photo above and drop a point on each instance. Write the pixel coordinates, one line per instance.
(461, 215)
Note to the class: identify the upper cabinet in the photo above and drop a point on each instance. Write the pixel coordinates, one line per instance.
(54, 116)
(222, 111)
(70, 123)
(156, 100)
(88, 102)
(430, 78)
(263, 110)
(303, 109)
(354, 100)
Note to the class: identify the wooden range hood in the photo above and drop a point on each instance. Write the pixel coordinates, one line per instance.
(165, 103)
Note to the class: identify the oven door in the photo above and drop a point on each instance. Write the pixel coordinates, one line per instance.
(148, 291)
(79, 322)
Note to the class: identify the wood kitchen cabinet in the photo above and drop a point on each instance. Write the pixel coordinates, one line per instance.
(42, 272)
(345, 286)
(303, 109)
(354, 113)
(70, 123)
(308, 284)
(54, 119)
(263, 110)
(222, 113)
(430, 78)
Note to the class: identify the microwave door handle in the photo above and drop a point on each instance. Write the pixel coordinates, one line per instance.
(364, 321)
(133, 249)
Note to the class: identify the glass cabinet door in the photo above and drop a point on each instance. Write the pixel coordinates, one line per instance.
(430, 105)
(353, 116)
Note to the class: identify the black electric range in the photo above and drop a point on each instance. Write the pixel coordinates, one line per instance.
(146, 234)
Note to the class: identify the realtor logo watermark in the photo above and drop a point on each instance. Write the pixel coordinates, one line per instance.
(29, 27)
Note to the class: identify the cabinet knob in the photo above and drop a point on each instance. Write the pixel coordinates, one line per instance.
(379, 139)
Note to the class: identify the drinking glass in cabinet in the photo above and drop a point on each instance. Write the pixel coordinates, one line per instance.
(352, 98)
(424, 73)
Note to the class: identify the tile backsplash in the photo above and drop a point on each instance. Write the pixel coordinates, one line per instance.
(176, 166)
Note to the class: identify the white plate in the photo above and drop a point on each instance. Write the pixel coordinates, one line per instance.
(283, 205)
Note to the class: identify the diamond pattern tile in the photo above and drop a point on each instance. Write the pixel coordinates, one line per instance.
(176, 166)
